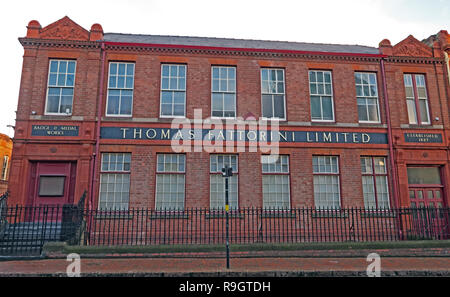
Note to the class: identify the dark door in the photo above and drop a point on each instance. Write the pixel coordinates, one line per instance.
(53, 183)
(429, 219)
(52, 186)
(426, 194)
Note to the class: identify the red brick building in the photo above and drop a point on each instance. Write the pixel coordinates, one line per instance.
(5, 157)
(358, 126)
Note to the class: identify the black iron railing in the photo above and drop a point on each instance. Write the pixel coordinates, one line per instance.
(256, 225)
(25, 229)
(3, 210)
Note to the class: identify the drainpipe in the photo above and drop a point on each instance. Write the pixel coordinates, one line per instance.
(97, 136)
(390, 140)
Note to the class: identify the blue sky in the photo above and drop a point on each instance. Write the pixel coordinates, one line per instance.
(364, 22)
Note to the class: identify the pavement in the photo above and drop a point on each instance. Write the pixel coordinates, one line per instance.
(239, 266)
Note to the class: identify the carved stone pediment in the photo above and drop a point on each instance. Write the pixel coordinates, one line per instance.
(411, 47)
(65, 29)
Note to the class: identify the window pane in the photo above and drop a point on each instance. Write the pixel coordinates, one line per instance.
(424, 175)
(51, 185)
(276, 191)
(267, 106)
(316, 112)
(279, 106)
(424, 111)
(53, 101)
(380, 165)
(411, 111)
(369, 192)
(327, 108)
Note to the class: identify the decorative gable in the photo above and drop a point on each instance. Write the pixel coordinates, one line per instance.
(65, 29)
(411, 47)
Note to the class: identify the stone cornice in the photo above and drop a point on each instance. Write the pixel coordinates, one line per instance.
(26, 42)
(30, 42)
(415, 60)
(236, 52)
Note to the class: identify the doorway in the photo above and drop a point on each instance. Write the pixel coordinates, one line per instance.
(52, 183)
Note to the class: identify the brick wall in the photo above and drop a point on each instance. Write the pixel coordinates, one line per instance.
(146, 105)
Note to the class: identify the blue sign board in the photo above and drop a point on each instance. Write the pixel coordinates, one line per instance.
(423, 137)
(54, 130)
(137, 133)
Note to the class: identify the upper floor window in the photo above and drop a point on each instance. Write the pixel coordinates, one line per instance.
(416, 99)
(367, 97)
(223, 89)
(273, 94)
(120, 89)
(321, 93)
(173, 90)
(61, 81)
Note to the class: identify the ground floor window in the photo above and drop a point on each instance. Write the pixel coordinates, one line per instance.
(326, 182)
(375, 182)
(170, 181)
(275, 182)
(217, 181)
(115, 181)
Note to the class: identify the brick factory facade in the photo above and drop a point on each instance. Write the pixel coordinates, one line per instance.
(358, 126)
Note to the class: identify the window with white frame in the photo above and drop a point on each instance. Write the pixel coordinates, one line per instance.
(120, 89)
(273, 93)
(115, 181)
(375, 182)
(326, 182)
(416, 99)
(60, 87)
(170, 179)
(275, 182)
(367, 97)
(321, 94)
(223, 92)
(4, 172)
(173, 90)
(217, 181)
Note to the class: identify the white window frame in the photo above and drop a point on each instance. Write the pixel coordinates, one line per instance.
(218, 172)
(321, 95)
(170, 172)
(374, 176)
(114, 172)
(173, 90)
(60, 87)
(371, 97)
(273, 94)
(120, 89)
(416, 99)
(271, 170)
(224, 92)
(327, 173)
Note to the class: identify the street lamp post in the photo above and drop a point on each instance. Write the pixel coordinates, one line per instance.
(227, 172)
